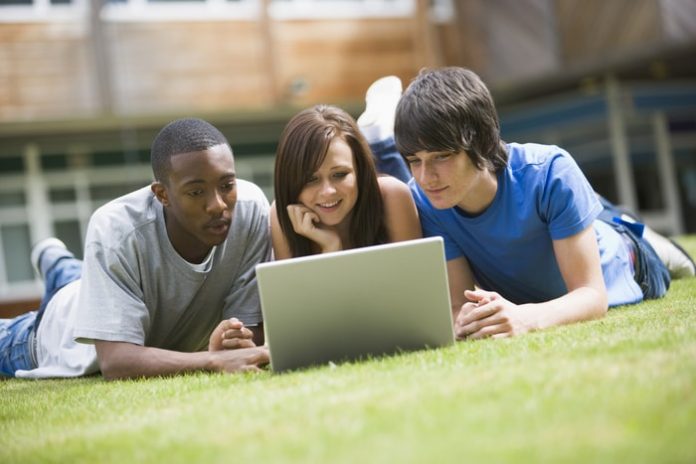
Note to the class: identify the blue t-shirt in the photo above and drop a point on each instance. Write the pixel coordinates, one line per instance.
(542, 196)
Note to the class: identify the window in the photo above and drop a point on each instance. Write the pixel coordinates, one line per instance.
(180, 10)
(340, 9)
(15, 2)
(16, 249)
(162, 10)
(41, 10)
(191, 10)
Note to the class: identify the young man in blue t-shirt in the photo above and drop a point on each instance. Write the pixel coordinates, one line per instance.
(528, 242)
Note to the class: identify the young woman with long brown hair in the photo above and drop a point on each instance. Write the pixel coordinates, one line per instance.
(328, 194)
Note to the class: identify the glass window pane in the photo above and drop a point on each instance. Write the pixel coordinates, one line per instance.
(62, 194)
(11, 164)
(115, 158)
(108, 158)
(69, 233)
(54, 162)
(16, 198)
(254, 149)
(109, 192)
(15, 2)
(61, 2)
(16, 245)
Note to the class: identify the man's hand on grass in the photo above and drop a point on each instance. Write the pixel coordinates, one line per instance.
(230, 334)
(243, 360)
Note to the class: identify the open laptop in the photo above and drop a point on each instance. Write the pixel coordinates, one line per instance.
(348, 305)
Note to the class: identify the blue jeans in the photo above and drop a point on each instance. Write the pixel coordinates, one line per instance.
(389, 161)
(651, 274)
(18, 335)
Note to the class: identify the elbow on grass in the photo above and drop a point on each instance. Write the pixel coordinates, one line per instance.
(110, 373)
(116, 371)
(601, 305)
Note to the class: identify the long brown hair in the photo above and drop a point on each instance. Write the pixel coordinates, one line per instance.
(302, 148)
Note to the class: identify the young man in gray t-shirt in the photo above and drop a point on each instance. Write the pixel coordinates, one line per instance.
(168, 282)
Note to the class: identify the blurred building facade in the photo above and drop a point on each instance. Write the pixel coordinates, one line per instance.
(85, 85)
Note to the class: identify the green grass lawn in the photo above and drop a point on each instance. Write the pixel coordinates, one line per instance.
(621, 389)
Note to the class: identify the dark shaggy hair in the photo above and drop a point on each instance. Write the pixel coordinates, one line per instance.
(450, 110)
(182, 136)
(301, 150)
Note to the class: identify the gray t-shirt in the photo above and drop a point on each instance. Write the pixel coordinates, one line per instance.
(136, 288)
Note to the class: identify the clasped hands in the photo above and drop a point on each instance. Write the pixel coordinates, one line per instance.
(231, 334)
(487, 314)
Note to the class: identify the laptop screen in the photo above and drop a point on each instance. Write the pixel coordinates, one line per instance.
(356, 303)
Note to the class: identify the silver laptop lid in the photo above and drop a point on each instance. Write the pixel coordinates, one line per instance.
(355, 303)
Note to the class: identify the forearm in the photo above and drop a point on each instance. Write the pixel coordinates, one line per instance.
(581, 304)
(125, 360)
(579, 262)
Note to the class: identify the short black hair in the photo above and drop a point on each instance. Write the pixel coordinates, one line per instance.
(182, 136)
(450, 110)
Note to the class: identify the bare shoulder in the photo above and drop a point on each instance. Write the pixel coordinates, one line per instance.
(401, 216)
(393, 190)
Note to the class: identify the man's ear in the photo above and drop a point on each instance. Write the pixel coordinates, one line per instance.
(160, 192)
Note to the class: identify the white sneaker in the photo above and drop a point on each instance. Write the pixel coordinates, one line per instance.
(377, 121)
(39, 249)
(675, 258)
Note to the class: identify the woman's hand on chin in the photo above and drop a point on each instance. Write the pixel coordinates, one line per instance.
(306, 223)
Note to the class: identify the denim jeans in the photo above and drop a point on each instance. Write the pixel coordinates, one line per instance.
(651, 274)
(18, 335)
(389, 161)
(17, 343)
